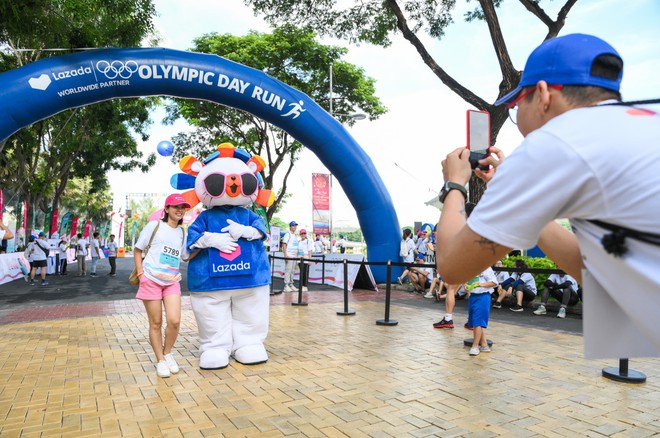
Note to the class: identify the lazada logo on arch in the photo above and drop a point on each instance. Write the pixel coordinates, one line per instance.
(40, 83)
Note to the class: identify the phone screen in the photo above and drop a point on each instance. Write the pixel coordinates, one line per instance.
(478, 136)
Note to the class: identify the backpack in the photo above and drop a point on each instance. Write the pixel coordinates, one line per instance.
(403, 250)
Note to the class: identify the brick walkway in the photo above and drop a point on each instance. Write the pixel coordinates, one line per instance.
(87, 370)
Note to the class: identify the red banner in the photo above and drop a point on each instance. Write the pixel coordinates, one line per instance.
(25, 224)
(88, 224)
(2, 202)
(321, 185)
(74, 227)
(53, 222)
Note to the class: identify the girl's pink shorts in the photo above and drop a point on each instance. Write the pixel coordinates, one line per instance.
(150, 290)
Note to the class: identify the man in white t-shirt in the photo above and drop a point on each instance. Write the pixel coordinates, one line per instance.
(318, 245)
(40, 249)
(81, 254)
(96, 253)
(290, 250)
(112, 255)
(563, 288)
(586, 157)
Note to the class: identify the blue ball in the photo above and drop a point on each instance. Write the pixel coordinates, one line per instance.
(165, 148)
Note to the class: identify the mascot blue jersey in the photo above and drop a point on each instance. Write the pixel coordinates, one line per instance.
(212, 270)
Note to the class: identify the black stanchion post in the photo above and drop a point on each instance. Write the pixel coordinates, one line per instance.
(323, 269)
(623, 374)
(272, 274)
(388, 293)
(300, 285)
(346, 311)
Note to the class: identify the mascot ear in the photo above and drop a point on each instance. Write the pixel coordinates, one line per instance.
(190, 165)
(181, 181)
(265, 198)
(191, 197)
(256, 164)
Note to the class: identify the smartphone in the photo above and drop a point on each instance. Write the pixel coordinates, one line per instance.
(478, 136)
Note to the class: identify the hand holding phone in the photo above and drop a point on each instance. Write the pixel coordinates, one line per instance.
(478, 137)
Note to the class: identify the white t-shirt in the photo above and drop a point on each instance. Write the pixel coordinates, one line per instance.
(112, 248)
(421, 245)
(161, 265)
(305, 248)
(81, 247)
(589, 163)
(527, 278)
(488, 276)
(96, 248)
(62, 249)
(410, 258)
(291, 241)
(559, 279)
(318, 246)
(37, 253)
(501, 276)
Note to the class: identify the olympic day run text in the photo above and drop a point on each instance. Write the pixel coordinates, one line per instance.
(175, 72)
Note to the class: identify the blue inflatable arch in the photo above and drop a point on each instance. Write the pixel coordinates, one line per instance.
(47, 87)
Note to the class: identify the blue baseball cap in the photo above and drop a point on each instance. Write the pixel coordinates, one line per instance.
(565, 60)
(292, 223)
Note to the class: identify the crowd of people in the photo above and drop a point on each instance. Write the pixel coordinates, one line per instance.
(491, 288)
(39, 248)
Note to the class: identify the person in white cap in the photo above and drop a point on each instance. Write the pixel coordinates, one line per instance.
(164, 243)
(587, 157)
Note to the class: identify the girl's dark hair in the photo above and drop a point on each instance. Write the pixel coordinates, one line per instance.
(520, 264)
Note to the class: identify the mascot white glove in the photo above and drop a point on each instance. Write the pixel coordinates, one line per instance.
(221, 241)
(236, 231)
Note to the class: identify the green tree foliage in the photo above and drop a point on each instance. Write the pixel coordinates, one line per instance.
(141, 209)
(294, 57)
(374, 22)
(87, 199)
(39, 160)
(533, 263)
(70, 24)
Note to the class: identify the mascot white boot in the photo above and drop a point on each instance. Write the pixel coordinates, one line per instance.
(229, 275)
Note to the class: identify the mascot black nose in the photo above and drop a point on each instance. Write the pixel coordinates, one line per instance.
(215, 184)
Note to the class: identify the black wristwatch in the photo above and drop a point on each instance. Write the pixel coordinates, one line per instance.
(448, 187)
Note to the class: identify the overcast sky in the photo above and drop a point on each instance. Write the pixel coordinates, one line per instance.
(425, 119)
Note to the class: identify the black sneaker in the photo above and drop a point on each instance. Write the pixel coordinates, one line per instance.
(516, 308)
(468, 327)
(497, 305)
(32, 283)
(448, 324)
(44, 283)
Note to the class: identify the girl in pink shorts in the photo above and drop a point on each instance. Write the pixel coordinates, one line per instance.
(160, 279)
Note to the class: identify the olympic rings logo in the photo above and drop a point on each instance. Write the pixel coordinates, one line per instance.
(115, 69)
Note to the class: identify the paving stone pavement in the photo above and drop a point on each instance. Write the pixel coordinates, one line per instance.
(328, 376)
(74, 361)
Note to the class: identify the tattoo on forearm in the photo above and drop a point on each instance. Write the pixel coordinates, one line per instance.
(486, 244)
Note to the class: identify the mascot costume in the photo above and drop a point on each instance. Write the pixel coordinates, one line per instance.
(229, 277)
